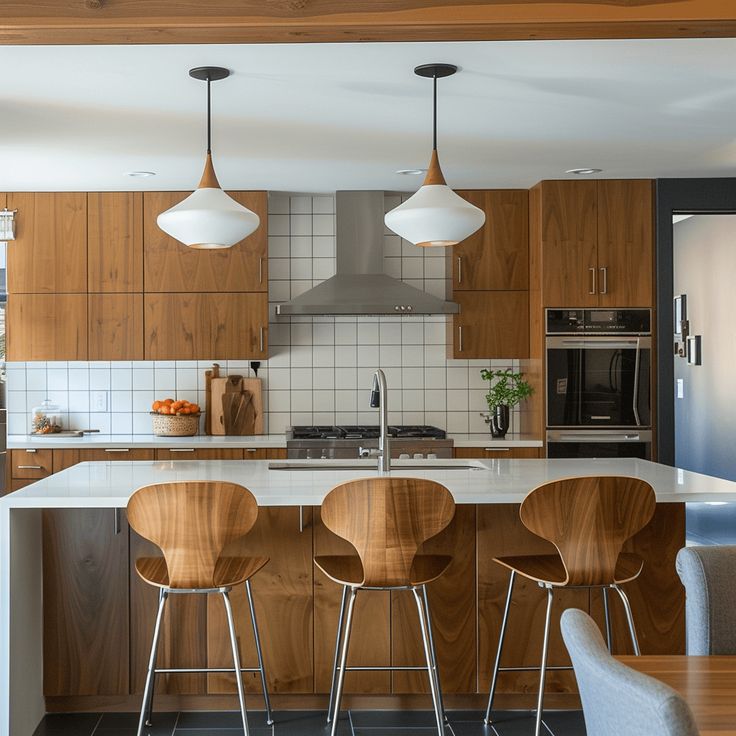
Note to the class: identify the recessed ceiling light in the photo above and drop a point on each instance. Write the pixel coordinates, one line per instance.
(140, 174)
(583, 172)
(412, 172)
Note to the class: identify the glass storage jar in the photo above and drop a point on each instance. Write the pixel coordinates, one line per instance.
(46, 418)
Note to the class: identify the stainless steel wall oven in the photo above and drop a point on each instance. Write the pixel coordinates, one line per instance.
(598, 385)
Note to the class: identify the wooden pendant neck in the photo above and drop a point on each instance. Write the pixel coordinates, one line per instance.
(434, 172)
(209, 178)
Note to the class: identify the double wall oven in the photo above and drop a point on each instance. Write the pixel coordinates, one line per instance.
(598, 391)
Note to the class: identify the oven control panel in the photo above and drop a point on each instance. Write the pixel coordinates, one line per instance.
(599, 321)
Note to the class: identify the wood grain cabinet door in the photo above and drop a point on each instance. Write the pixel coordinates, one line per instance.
(568, 228)
(115, 326)
(169, 266)
(47, 327)
(115, 242)
(282, 592)
(49, 254)
(625, 243)
(491, 324)
(497, 256)
(85, 596)
(197, 326)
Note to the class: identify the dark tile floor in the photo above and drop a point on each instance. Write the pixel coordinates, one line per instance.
(312, 723)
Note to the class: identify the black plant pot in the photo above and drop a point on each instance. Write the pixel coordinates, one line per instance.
(499, 421)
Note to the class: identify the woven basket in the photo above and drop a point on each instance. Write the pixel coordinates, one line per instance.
(175, 425)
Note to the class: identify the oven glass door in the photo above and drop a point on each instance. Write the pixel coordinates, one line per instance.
(601, 382)
(642, 450)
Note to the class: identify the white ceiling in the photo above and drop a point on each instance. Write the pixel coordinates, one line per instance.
(325, 117)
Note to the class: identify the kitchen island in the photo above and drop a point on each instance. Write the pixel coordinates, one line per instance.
(297, 607)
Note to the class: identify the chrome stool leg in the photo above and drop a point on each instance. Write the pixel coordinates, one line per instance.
(607, 615)
(236, 659)
(147, 703)
(428, 655)
(338, 641)
(543, 667)
(257, 637)
(501, 636)
(629, 619)
(435, 666)
(343, 661)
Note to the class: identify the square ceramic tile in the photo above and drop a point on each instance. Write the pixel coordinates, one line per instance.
(122, 423)
(278, 422)
(278, 225)
(346, 401)
(301, 380)
(186, 378)
(435, 399)
(323, 224)
(279, 291)
(389, 355)
(412, 331)
(412, 399)
(345, 378)
(279, 401)
(323, 401)
(36, 379)
(279, 269)
(78, 420)
(300, 356)
(435, 287)
(323, 378)
(457, 377)
(301, 401)
(457, 400)
(122, 401)
(392, 267)
(297, 288)
(323, 356)
(346, 356)
(99, 379)
(323, 246)
(323, 204)
(16, 401)
(279, 378)
(164, 380)
(412, 355)
(367, 332)
(299, 204)
(435, 333)
(300, 246)
(347, 334)
(346, 417)
(301, 268)
(57, 379)
(457, 422)
(142, 400)
(301, 225)
(100, 421)
(435, 377)
(141, 423)
(412, 377)
(18, 423)
(121, 379)
(412, 268)
(79, 401)
(434, 268)
(323, 333)
(390, 333)
(278, 247)
(278, 203)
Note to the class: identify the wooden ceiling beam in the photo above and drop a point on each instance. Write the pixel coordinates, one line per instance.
(68, 22)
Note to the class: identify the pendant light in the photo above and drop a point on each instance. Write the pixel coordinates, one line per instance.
(208, 218)
(435, 215)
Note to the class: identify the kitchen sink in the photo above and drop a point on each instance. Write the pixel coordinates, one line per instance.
(397, 465)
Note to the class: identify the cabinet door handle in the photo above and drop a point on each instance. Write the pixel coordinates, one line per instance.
(29, 451)
(592, 280)
(116, 525)
(260, 270)
(459, 269)
(604, 272)
(301, 519)
(30, 467)
(181, 449)
(262, 340)
(251, 449)
(117, 449)
(460, 338)
(497, 449)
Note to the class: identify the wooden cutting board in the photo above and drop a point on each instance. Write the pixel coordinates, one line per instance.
(214, 372)
(235, 405)
(238, 413)
(254, 386)
(218, 388)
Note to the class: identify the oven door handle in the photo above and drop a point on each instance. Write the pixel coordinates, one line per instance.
(599, 342)
(596, 437)
(635, 392)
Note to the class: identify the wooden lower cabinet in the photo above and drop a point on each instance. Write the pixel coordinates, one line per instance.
(486, 453)
(85, 595)
(199, 453)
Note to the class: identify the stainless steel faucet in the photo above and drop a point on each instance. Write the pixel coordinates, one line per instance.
(379, 400)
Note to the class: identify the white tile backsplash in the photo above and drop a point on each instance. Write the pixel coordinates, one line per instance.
(320, 369)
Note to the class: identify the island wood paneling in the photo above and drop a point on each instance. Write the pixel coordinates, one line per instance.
(115, 241)
(49, 254)
(46, 327)
(195, 326)
(64, 459)
(370, 643)
(170, 266)
(496, 257)
(252, 21)
(115, 326)
(85, 597)
(282, 592)
(488, 453)
(452, 607)
(199, 453)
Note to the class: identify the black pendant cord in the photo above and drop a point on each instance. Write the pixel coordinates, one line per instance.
(434, 114)
(209, 119)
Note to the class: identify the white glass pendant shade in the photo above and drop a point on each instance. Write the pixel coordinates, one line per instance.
(435, 215)
(208, 218)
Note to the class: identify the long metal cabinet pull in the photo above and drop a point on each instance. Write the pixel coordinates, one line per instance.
(117, 526)
(301, 519)
(260, 270)
(460, 338)
(30, 467)
(459, 269)
(604, 271)
(261, 339)
(592, 280)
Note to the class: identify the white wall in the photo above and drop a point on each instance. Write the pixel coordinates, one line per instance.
(320, 368)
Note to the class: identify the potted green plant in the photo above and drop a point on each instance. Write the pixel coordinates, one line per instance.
(507, 389)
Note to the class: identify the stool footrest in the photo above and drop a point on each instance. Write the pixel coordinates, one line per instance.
(533, 669)
(394, 668)
(201, 670)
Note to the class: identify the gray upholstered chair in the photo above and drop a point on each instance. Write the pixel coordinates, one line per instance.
(709, 577)
(616, 699)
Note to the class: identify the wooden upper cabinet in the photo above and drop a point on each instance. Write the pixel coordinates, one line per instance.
(569, 238)
(49, 254)
(47, 327)
(626, 243)
(497, 256)
(170, 266)
(115, 326)
(491, 324)
(115, 241)
(197, 326)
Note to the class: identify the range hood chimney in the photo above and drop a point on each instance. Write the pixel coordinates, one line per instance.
(359, 285)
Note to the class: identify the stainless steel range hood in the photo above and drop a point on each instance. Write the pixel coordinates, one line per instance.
(359, 285)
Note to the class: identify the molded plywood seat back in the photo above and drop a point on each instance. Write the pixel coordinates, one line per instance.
(192, 522)
(386, 520)
(589, 520)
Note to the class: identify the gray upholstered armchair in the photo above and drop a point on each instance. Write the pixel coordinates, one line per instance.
(616, 699)
(709, 577)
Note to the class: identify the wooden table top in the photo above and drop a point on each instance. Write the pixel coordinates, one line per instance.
(708, 684)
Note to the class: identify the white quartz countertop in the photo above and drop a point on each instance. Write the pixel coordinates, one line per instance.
(110, 484)
(97, 441)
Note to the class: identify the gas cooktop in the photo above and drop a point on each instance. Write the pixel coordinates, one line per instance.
(357, 432)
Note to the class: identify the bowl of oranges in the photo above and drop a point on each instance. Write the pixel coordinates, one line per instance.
(175, 418)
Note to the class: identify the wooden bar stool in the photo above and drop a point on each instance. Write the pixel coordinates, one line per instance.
(192, 522)
(588, 520)
(386, 520)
